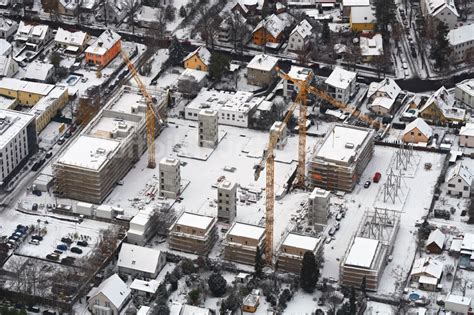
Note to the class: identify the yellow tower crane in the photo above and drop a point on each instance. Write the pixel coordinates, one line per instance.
(151, 113)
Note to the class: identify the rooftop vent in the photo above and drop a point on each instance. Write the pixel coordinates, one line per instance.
(349, 145)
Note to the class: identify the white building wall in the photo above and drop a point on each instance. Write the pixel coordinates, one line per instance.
(464, 93)
(170, 178)
(466, 141)
(208, 129)
(458, 187)
(296, 42)
(13, 152)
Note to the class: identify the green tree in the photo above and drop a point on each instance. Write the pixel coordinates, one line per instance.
(176, 53)
(182, 12)
(258, 263)
(385, 13)
(161, 309)
(352, 301)
(55, 59)
(231, 303)
(217, 284)
(194, 296)
(219, 65)
(170, 13)
(309, 272)
(326, 33)
(188, 266)
(440, 48)
(363, 286)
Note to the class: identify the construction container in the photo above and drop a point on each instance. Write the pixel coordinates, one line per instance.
(84, 208)
(104, 211)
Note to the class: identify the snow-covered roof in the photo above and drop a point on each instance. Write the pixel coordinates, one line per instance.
(25, 86)
(307, 243)
(143, 310)
(147, 14)
(304, 29)
(385, 102)
(139, 258)
(427, 266)
(28, 31)
(39, 71)
(340, 78)
(355, 3)
(462, 34)
(362, 14)
(273, 24)
(362, 252)
(145, 286)
(371, 46)
(195, 220)
(104, 42)
(197, 75)
(5, 47)
(467, 130)
(387, 86)
(114, 289)
(342, 143)
(193, 310)
(71, 38)
(458, 299)
(299, 73)
(88, 4)
(461, 171)
(468, 242)
(421, 125)
(436, 6)
(5, 62)
(12, 122)
(169, 161)
(203, 53)
(263, 62)
(445, 102)
(246, 230)
(467, 86)
(319, 192)
(6, 24)
(436, 237)
(69, 4)
(89, 152)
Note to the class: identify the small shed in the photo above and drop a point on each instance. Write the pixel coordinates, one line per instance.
(84, 208)
(43, 182)
(104, 211)
(435, 242)
(458, 304)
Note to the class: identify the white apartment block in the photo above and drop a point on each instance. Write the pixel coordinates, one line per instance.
(466, 136)
(441, 10)
(461, 40)
(226, 201)
(208, 130)
(300, 36)
(17, 140)
(318, 208)
(341, 84)
(170, 178)
(464, 92)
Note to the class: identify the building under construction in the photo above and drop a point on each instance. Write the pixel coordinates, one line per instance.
(193, 233)
(106, 150)
(369, 249)
(291, 251)
(341, 157)
(241, 242)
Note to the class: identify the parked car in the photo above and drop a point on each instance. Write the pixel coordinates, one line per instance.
(76, 250)
(82, 243)
(367, 184)
(62, 247)
(53, 256)
(377, 177)
(37, 237)
(332, 231)
(34, 242)
(61, 140)
(34, 309)
(48, 312)
(339, 217)
(337, 226)
(66, 240)
(34, 207)
(49, 154)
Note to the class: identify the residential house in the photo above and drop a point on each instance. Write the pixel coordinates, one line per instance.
(191, 81)
(371, 48)
(248, 7)
(439, 108)
(461, 40)
(300, 36)
(347, 6)
(440, 10)
(146, 16)
(39, 72)
(362, 19)
(241, 242)
(270, 31)
(427, 272)
(458, 304)
(261, 70)
(460, 180)
(89, 5)
(435, 242)
(200, 59)
(226, 33)
(341, 84)
(464, 92)
(251, 301)
(33, 36)
(382, 96)
(8, 27)
(144, 288)
(185, 309)
(68, 7)
(27, 93)
(291, 251)
(6, 3)
(104, 49)
(71, 42)
(117, 10)
(299, 75)
(5, 48)
(8, 66)
(417, 131)
(49, 106)
(466, 136)
(110, 297)
(140, 261)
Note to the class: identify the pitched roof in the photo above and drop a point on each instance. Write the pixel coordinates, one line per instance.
(387, 86)
(303, 29)
(139, 258)
(38, 71)
(436, 237)
(445, 102)
(436, 6)
(263, 62)
(4, 47)
(273, 24)
(461, 171)
(362, 14)
(5, 62)
(104, 42)
(71, 38)
(114, 289)
(340, 78)
(428, 266)
(461, 34)
(6, 24)
(467, 130)
(421, 125)
(202, 53)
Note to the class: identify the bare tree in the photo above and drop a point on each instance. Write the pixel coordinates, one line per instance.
(208, 24)
(239, 31)
(130, 6)
(381, 63)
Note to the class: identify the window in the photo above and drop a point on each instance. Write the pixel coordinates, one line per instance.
(451, 185)
(459, 180)
(466, 188)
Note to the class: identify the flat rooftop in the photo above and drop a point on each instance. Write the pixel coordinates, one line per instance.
(240, 101)
(126, 102)
(195, 220)
(25, 86)
(246, 230)
(307, 243)
(11, 123)
(110, 127)
(362, 252)
(89, 152)
(342, 143)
